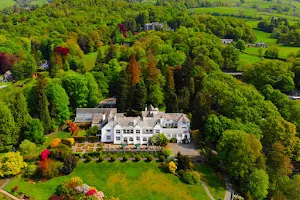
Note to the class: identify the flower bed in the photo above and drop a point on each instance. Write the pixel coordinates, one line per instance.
(85, 147)
(90, 150)
(80, 145)
(79, 150)
(91, 144)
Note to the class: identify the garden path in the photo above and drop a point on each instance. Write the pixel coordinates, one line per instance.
(9, 195)
(207, 191)
(6, 193)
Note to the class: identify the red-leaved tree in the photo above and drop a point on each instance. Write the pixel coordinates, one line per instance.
(123, 29)
(62, 50)
(71, 126)
(45, 154)
(6, 62)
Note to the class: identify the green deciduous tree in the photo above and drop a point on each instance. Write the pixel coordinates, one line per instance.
(275, 73)
(34, 131)
(75, 86)
(28, 148)
(258, 184)
(236, 147)
(58, 102)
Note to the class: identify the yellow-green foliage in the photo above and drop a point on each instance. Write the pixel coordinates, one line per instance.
(172, 167)
(11, 164)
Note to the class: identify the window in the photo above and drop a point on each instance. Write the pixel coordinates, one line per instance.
(118, 131)
(131, 131)
(179, 135)
(169, 135)
(138, 131)
(107, 130)
(138, 138)
(108, 137)
(144, 139)
(131, 139)
(118, 138)
(157, 131)
(151, 131)
(125, 139)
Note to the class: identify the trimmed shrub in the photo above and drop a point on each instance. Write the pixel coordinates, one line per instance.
(66, 142)
(30, 170)
(125, 158)
(113, 158)
(166, 151)
(184, 162)
(173, 140)
(79, 138)
(150, 158)
(101, 158)
(93, 138)
(93, 154)
(88, 159)
(190, 177)
(79, 155)
(137, 158)
(162, 158)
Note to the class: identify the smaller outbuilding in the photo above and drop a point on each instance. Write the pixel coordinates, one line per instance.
(7, 77)
(227, 41)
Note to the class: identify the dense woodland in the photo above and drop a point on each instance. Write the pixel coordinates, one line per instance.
(252, 123)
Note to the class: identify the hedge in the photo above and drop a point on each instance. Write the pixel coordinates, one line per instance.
(79, 138)
(66, 142)
(93, 138)
(93, 154)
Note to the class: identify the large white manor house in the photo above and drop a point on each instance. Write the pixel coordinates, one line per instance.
(117, 128)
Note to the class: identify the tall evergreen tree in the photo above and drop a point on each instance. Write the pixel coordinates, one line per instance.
(42, 106)
(122, 92)
(18, 108)
(93, 94)
(140, 96)
(8, 131)
(171, 102)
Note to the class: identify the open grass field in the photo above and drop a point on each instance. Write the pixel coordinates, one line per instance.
(127, 181)
(6, 3)
(250, 58)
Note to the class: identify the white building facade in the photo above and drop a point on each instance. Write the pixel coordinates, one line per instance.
(117, 129)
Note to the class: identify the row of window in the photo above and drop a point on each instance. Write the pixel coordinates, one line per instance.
(130, 131)
(108, 137)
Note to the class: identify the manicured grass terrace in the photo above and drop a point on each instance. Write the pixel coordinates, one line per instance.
(128, 180)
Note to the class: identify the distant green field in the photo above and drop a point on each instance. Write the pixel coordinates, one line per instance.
(6, 3)
(241, 11)
(250, 58)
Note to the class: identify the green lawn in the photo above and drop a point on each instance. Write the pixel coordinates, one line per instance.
(3, 197)
(215, 186)
(49, 139)
(89, 60)
(250, 58)
(6, 3)
(128, 180)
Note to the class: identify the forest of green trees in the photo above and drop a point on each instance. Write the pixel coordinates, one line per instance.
(253, 124)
